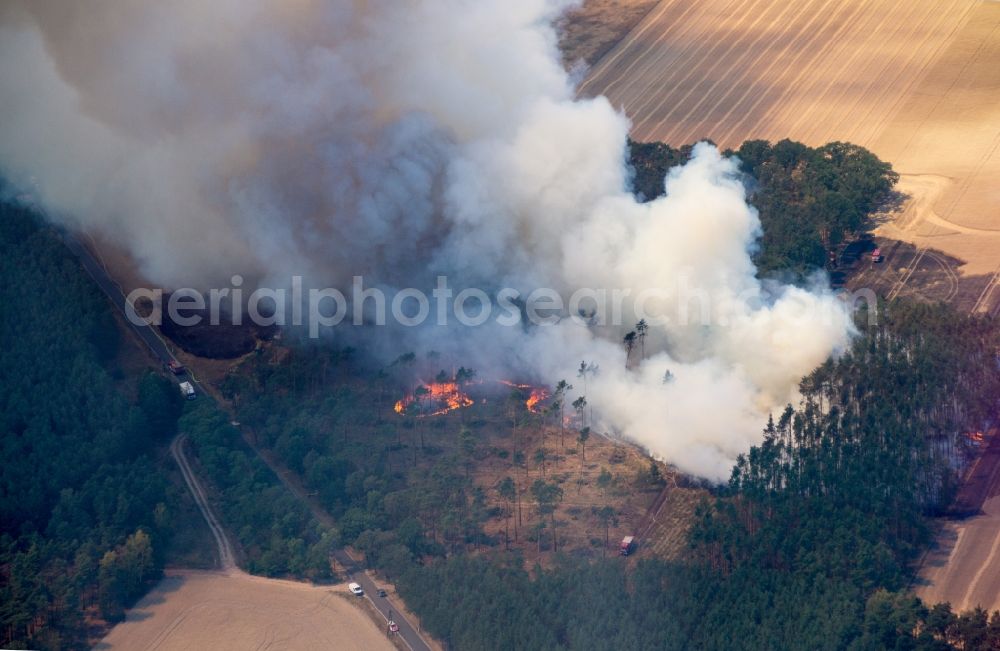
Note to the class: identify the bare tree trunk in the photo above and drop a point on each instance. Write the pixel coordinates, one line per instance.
(506, 527)
(519, 520)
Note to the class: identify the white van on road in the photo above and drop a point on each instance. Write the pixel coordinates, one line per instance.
(188, 390)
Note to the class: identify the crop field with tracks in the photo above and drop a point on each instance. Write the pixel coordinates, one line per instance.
(915, 81)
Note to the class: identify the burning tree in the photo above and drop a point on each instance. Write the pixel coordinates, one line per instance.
(535, 395)
(434, 399)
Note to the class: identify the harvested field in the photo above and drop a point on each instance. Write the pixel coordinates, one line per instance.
(215, 610)
(813, 71)
(586, 33)
(915, 81)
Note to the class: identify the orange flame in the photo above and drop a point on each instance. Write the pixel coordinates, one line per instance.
(535, 398)
(438, 397)
(538, 394)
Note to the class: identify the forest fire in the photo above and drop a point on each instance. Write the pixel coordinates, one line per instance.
(974, 438)
(438, 398)
(434, 399)
(535, 396)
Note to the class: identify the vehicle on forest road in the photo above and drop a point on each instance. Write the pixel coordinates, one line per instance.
(381, 592)
(188, 390)
(355, 589)
(627, 545)
(175, 367)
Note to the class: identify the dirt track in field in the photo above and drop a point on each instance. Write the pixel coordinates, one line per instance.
(915, 81)
(963, 568)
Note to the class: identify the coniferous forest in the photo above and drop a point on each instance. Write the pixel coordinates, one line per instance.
(811, 200)
(86, 510)
(810, 545)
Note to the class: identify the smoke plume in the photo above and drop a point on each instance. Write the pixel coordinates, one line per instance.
(402, 140)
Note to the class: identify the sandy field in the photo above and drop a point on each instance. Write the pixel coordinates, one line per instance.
(915, 81)
(214, 610)
(230, 609)
(964, 569)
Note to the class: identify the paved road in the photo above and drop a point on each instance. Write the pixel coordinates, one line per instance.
(407, 631)
(355, 572)
(114, 292)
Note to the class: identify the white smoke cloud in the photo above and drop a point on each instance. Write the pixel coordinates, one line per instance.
(399, 140)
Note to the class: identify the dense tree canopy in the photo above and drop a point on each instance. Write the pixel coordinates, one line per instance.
(84, 510)
(275, 531)
(811, 200)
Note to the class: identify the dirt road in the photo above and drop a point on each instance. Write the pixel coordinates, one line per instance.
(386, 606)
(231, 609)
(964, 569)
(226, 559)
(408, 633)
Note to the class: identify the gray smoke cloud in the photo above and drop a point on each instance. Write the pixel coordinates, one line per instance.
(400, 140)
